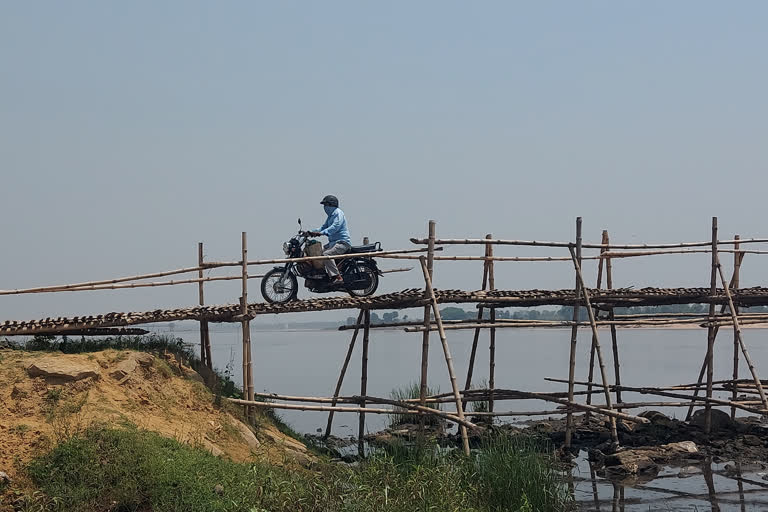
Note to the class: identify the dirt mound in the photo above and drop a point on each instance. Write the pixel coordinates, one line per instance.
(46, 398)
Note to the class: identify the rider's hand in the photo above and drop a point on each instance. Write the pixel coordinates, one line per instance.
(313, 233)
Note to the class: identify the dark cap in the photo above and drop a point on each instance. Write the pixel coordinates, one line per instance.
(330, 201)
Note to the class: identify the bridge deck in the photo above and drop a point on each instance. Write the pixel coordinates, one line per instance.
(410, 298)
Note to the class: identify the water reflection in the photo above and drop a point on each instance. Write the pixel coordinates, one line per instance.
(705, 486)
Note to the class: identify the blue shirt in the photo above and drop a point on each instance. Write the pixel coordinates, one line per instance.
(335, 228)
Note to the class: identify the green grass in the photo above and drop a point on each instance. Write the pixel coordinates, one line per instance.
(134, 470)
(412, 391)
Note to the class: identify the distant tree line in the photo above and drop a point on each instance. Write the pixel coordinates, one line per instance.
(559, 314)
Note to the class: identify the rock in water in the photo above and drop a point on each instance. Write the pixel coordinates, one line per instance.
(720, 420)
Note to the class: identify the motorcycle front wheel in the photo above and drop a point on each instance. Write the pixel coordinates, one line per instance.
(276, 292)
(369, 274)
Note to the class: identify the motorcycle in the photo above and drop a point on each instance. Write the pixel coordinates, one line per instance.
(360, 274)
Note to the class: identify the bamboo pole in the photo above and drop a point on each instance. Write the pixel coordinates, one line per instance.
(608, 254)
(595, 340)
(246, 326)
(612, 318)
(393, 270)
(735, 284)
(476, 337)
(495, 258)
(657, 392)
(363, 383)
(505, 323)
(711, 333)
(153, 284)
(364, 399)
(427, 320)
(101, 285)
(574, 339)
(205, 340)
(343, 372)
(492, 347)
(65, 287)
(737, 331)
(704, 363)
(480, 241)
(277, 261)
(442, 398)
(446, 353)
(592, 348)
(742, 383)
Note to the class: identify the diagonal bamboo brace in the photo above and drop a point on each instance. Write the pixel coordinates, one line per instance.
(446, 352)
(595, 341)
(737, 330)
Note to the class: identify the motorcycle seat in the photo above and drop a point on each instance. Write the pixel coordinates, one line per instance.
(366, 248)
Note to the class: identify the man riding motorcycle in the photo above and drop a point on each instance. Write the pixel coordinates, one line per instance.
(335, 228)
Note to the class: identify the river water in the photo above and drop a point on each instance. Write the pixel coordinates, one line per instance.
(308, 363)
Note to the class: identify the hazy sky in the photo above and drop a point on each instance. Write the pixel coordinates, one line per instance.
(129, 131)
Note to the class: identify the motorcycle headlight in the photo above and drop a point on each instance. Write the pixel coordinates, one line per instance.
(287, 248)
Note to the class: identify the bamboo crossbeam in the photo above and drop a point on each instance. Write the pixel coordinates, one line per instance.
(94, 285)
(275, 261)
(605, 255)
(534, 243)
(96, 331)
(575, 405)
(642, 320)
(475, 395)
(365, 399)
(63, 287)
(393, 270)
(157, 283)
(654, 391)
(496, 258)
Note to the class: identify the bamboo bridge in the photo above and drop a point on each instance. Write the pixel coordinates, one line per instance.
(600, 303)
(410, 298)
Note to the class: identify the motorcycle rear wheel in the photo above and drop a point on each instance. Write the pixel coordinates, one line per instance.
(276, 293)
(371, 288)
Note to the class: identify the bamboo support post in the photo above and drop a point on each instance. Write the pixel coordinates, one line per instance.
(574, 339)
(592, 348)
(427, 321)
(737, 257)
(492, 332)
(612, 318)
(737, 331)
(711, 333)
(343, 372)
(446, 353)
(363, 382)
(246, 325)
(704, 364)
(476, 337)
(205, 339)
(595, 340)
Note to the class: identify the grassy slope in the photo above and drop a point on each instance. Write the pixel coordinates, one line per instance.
(137, 470)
